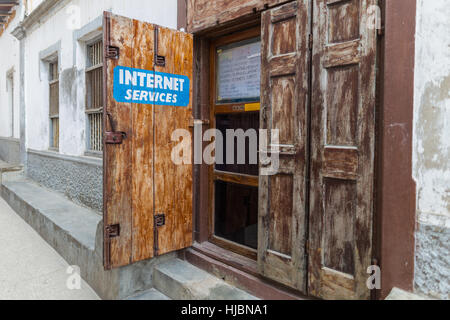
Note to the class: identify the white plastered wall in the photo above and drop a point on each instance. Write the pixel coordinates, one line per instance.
(59, 26)
(431, 154)
(9, 65)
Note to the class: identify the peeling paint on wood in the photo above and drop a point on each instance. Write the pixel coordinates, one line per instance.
(342, 142)
(203, 15)
(282, 217)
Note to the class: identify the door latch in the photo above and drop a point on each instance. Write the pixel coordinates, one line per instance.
(113, 136)
(160, 61)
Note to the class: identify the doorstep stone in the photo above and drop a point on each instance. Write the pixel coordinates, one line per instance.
(399, 294)
(180, 280)
(151, 294)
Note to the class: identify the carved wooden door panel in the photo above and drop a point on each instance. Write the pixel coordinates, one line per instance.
(342, 154)
(284, 101)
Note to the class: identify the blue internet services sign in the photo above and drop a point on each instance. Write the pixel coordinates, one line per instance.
(150, 87)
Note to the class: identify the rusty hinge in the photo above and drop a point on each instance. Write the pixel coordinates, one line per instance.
(113, 231)
(310, 42)
(160, 220)
(160, 61)
(113, 136)
(112, 52)
(307, 247)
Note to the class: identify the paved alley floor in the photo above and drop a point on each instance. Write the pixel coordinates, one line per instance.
(30, 269)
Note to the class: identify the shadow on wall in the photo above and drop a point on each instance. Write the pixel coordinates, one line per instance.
(10, 150)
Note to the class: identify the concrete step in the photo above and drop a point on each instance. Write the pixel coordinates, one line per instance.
(8, 167)
(77, 223)
(399, 294)
(180, 280)
(76, 233)
(151, 294)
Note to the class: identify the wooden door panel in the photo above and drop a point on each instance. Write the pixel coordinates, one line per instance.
(140, 179)
(173, 183)
(117, 175)
(342, 146)
(284, 101)
(142, 150)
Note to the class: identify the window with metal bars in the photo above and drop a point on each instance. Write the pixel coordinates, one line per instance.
(54, 104)
(94, 96)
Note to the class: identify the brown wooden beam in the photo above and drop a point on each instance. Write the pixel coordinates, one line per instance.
(396, 192)
(8, 3)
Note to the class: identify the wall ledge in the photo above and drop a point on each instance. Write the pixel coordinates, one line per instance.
(81, 159)
(433, 219)
(10, 139)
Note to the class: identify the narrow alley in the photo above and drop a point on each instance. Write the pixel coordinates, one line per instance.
(31, 269)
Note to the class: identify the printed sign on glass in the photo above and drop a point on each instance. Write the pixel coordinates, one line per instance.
(150, 87)
(239, 72)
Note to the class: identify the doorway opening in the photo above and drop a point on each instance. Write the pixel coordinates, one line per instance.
(235, 103)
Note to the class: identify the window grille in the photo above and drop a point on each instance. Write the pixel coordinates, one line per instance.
(54, 105)
(94, 96)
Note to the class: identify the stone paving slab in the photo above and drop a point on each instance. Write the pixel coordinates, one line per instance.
(30, 269)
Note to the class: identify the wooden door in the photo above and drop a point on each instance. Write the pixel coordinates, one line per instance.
(147, 198)
(342, 168)
(284, 101)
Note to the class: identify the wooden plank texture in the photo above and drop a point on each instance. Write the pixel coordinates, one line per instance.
(342, 149)
(284, 103)
(117, 158)
(140, 179)
(142, 140)
(202, 14)
(173, 183)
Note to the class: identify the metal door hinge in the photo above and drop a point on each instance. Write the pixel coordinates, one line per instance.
(160, 220)
(160, 61)
(112, 52)
(113, 231)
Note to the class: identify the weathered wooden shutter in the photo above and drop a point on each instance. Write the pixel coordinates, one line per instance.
(342, 168)
(284, 99)
(141, 182)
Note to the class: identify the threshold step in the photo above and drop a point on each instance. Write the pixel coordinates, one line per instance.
(180, 280)
(151, 294)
